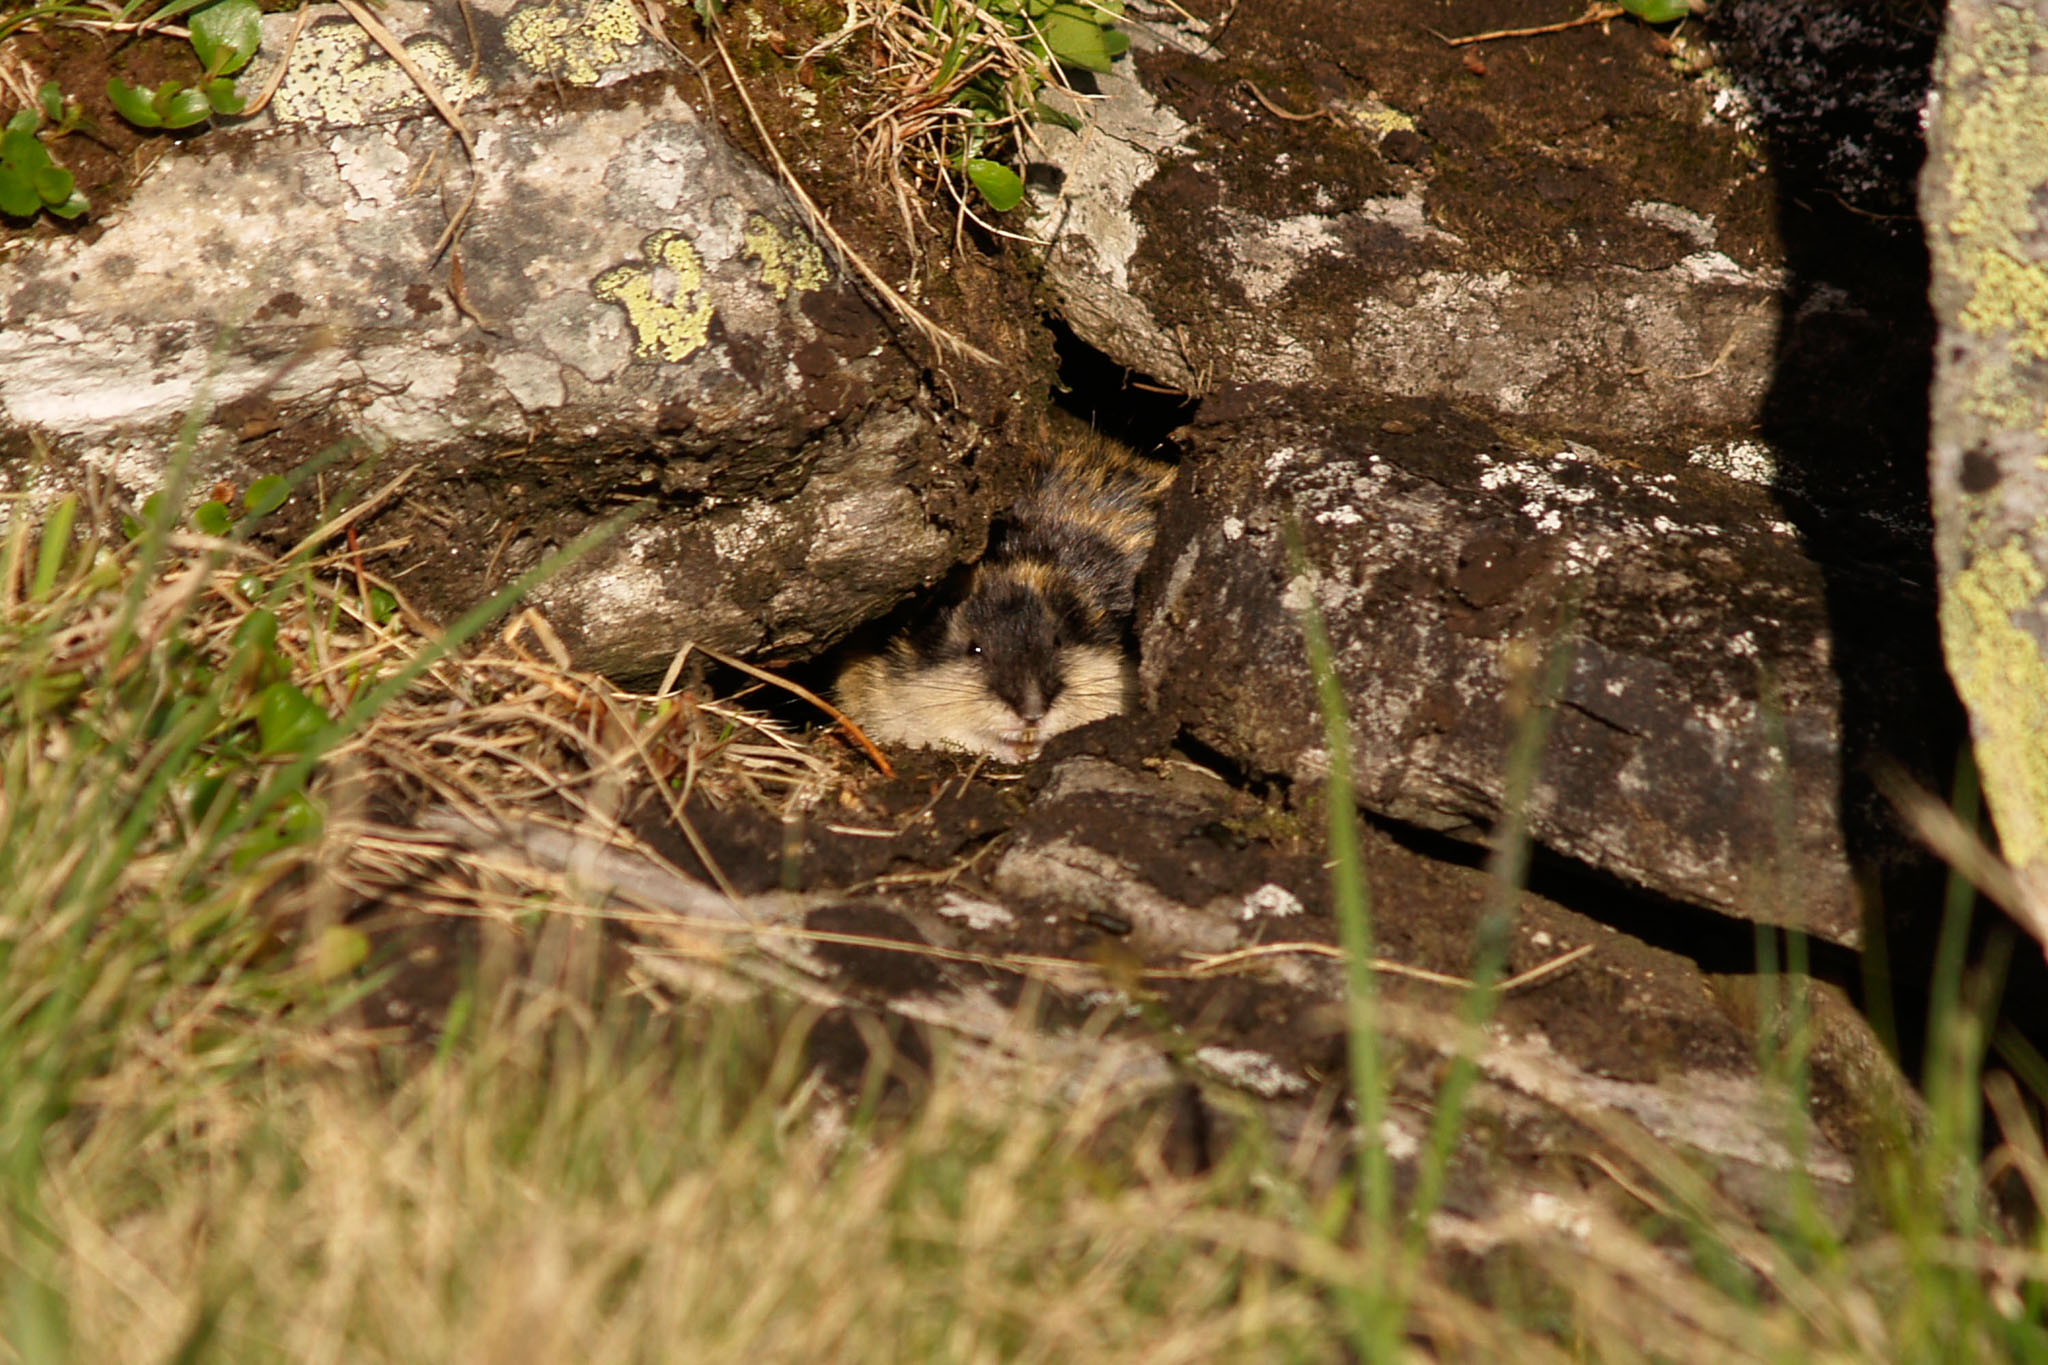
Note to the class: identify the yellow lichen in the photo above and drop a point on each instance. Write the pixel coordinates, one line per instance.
(660, 297)
(338, 76)
(789, 260)
(2002, 678)
(1375, 115)
(1997, 150)
(576, 48)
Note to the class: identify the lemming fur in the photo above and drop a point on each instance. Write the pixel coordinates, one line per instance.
(1036, 643)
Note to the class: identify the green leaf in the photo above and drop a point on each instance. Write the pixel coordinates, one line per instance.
(266, 495)
(54, 184)
(213, 518)
(51, 98)
(286, 718)
(1075, 38)
(24, 122)
(1657, 11)
(258, 631)
(17, 196)
(1000, 185)
(133, 104)
(55, 543)
(181, 107)
(23, 152)
(226, 34)
(1059, 118)
(71, 207)
(383, 605)
(220, 93)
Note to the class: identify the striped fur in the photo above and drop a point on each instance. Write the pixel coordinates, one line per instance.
(1036, 645)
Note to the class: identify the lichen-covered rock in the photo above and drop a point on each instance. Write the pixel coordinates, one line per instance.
(1984, 192)
(632, 314)
(1632, 370)
(1697, 746)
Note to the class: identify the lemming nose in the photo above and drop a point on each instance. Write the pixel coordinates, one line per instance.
(1032, 706)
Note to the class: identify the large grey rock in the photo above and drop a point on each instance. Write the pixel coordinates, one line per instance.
(1117, 877)
(1446, 246)
(1697, 745)
(639, 318)
(1634, 368)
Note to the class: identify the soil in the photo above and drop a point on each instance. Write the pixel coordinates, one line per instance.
(106, 153)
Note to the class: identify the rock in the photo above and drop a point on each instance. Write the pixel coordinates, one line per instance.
(1983, 196)
(633, 316)
(1469, 241)
(1572, 340)
(1146, 925)
(1697, 746)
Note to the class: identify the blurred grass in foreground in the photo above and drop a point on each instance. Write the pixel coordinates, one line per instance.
(203, 1161)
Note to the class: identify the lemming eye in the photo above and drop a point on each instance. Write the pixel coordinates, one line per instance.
(974, 649)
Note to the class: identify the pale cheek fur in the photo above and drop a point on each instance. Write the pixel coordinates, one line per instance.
(949, 706)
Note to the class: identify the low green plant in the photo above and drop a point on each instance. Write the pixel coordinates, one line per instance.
(1080, 34)
(1658, 11)
(225, 35)
(980, 69)
(30, 180)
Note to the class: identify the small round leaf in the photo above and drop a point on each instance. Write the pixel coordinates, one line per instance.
(17, 196)
(1657, 11)
(1000, 185)
(287, 719)
(181, 107)
(266, 495)
(23, 151)
(338, 951)
(213, 518)
(135, 105)
(220, 93)
(225, 35)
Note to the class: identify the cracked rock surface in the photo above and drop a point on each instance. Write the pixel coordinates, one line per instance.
(632, 317)
(1536, 344)
(1170, 931)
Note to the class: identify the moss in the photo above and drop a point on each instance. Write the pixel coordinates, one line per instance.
(1999, 670)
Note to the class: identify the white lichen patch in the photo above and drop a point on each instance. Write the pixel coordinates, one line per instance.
(338, 75)
(1749, 461)
(1712, 267)
(1257, 1072)
(978, 915)
(376, 171)
(1696, 227)
(1267, 255)
(1120, 146)
(1271, 901)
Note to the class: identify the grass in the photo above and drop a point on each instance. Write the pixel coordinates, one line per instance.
(205, 1155)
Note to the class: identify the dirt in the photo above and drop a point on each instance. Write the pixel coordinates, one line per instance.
(106, 153)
